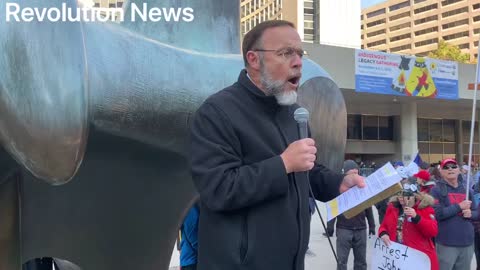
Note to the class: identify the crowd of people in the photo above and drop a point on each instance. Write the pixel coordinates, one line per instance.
(432, 214)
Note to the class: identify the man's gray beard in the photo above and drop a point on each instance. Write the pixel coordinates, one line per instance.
(276, 88)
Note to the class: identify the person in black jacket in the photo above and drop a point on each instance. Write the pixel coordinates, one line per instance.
(246, 162)
(352, 233)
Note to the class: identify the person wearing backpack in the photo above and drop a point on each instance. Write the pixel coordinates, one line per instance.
(189, 239)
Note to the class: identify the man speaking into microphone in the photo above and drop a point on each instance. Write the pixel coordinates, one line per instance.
(248, 162)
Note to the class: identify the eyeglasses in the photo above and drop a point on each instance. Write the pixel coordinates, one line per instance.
(287, 53)
(446, 167)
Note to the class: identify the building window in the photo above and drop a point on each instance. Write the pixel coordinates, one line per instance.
(307, 24)
(400, 26)
(307, 11)
(449, 2)
(448, 130)
(374, 23)
(436, 139)
(404, 36)
(455, 24)
(385, 128)
(376, 13)
(426, 31)
(308, 38)
(379, 42)
(457, 35)
(466, 141)
(401, 48)
(418, 1)
(308, 4)
(422, 130)
(426, 42)
(308, 31)
(435, 130)
(466, 131)
(376, 33)
(399, 16)
(427, 19)
(425, 8)
(476, 6)
(454, 12)
(369, 127)
(354, 127)
(399, 6)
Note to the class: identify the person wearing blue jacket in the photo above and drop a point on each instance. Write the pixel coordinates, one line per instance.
(454, 213)
(188, 244)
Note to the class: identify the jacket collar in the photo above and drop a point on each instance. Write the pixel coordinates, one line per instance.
(270, 101)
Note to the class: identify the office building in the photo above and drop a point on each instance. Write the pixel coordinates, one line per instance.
(415, 26)
(329, 22)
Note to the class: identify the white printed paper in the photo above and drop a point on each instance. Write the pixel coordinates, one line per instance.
(377, 182)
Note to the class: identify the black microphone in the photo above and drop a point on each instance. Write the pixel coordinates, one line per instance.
(301, 116)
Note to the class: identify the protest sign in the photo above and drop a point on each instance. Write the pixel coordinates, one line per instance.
(397, 257)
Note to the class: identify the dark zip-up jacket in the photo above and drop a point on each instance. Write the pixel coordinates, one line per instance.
(357, 222)
(453, 229)
(254, 215)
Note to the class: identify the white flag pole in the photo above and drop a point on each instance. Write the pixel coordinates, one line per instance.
(472, 126)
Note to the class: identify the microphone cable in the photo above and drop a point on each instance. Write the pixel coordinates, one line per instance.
(320, 215)
(301, 116)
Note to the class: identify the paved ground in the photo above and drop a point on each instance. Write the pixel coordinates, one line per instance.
(323, 258)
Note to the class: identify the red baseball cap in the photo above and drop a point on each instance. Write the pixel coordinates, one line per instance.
(448, 160)
(424, 175)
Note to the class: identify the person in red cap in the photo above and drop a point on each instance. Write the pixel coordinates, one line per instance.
(424, 181)
(454, 213)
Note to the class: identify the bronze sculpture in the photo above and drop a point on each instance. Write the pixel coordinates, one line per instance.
(97, 115)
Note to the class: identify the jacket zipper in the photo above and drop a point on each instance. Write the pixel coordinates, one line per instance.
(299, 220)
(299, 200)
(244, 240)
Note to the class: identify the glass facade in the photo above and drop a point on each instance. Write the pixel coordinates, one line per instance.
(466, 140)
(436, 139)
(369, 127)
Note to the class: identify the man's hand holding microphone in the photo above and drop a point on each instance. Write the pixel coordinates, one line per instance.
(300, 156)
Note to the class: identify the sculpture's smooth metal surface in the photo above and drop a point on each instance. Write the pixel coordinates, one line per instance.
(328, 119)
(215, 28)
(43, 95)
(149, 94)
(10, 250)
(123, 206)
